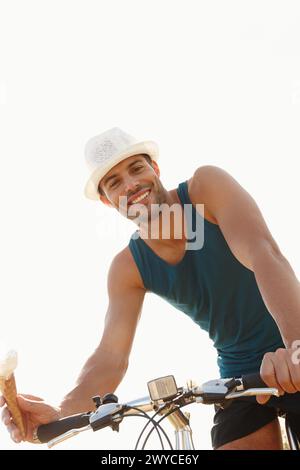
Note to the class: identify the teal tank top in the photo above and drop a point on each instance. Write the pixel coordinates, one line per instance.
(217, 292)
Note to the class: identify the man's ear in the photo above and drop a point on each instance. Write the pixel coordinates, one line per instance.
(155, 167)
(105, 200)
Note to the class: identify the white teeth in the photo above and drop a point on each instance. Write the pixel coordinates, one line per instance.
(140, 198)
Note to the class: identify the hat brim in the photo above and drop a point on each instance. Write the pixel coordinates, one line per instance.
(91, 187)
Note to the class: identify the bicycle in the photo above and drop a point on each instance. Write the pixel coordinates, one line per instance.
(165, 400)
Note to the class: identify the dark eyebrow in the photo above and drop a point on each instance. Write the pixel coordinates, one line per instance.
(138, 160)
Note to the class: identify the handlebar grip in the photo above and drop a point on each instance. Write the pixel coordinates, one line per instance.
(253, 381)
(49, 431)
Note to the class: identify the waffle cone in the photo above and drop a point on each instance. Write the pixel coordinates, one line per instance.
(9, 391)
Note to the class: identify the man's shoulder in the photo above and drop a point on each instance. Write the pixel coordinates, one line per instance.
(123, 259)
(124, 269)
(207, 175)
(205, 179)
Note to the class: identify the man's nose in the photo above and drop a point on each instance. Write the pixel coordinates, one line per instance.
(130, 184)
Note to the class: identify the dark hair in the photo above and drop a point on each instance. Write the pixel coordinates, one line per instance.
(147, 157)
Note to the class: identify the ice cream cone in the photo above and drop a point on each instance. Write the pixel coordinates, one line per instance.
(9, 391)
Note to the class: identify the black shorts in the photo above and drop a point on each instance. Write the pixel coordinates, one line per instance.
(245, 416)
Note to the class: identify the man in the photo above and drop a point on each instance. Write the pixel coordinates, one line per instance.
(237, 285)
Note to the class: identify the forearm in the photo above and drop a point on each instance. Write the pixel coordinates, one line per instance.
(280, 290)
(100, 374)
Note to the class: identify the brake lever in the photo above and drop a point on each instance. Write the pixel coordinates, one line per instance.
(253, 392)
(67, 435)
(227, 389)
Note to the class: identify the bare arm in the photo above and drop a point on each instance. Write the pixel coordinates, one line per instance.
(104, 370)
(106, 367)
(251, 242)
(280, 290)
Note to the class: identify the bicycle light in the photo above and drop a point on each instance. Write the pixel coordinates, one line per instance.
(162, 388)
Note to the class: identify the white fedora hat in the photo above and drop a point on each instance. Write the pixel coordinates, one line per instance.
(106, 150)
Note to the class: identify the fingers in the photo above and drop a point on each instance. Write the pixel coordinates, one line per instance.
(33, 408)
(14, 432)
(38, 410)
(30, 397)
(294, 369)
(283, 370)
(268, 372)
(268, 375)
(279, 370)
(263, 399)
(29, 404)
(5, 416)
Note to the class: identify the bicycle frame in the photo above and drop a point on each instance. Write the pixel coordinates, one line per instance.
(291, 436)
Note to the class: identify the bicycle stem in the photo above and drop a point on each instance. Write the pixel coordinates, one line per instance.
(183, 432)
(178, 419)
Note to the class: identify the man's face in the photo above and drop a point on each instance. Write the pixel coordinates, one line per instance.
(137, 180)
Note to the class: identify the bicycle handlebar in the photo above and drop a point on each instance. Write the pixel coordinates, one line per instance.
(49, 431)
(253, 381)
(111, 414)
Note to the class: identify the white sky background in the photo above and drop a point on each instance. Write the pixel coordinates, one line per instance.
(212, 82)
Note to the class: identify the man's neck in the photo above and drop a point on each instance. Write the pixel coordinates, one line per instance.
(168, 227)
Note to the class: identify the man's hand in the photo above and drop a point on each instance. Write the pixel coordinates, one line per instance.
(35, 412)
(281, 370)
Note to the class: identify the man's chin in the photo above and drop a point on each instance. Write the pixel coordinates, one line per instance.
(145, 217)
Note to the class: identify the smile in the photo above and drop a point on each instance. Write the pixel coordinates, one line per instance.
(140, 198)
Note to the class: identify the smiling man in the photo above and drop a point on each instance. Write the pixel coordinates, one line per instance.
(237, 286)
